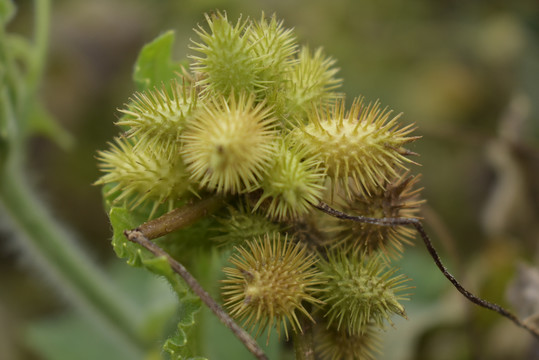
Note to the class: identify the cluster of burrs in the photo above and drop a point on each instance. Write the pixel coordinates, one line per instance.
(258, 120)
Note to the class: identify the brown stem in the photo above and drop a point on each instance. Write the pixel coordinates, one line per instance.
(432, 251)
(179, 218)
(138, 237)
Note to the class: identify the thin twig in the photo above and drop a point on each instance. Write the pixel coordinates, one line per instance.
(138, 237)
(432, 251)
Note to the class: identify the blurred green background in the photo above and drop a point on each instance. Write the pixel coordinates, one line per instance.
(465, 72)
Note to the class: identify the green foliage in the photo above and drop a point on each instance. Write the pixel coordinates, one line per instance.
(459, 113)
(47, 248)
(177, 346)
(21, 113)
(257, 120)
(154, 65)
(121, 220)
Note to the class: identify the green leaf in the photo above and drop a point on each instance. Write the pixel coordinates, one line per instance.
(177, 345)
(154, 64)
(123, 219)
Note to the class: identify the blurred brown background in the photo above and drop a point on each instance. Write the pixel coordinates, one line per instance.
(466, 72)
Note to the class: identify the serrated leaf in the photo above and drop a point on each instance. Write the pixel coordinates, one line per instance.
(154, 64)
(176, 346)
(123, 219)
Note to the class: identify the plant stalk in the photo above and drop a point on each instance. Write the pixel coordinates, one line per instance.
(41, 43)
(53, 253)
(50, 250)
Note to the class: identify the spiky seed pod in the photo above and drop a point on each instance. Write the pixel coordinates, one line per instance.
(271, 279)
(333, 344)
(293, 183)
(311, 80)
(274, 46)
(229, 144)
(398, 199)
(363, 145)
(243, 224)
(228, 62)
(144, 173)
(359, 291)
(160, 114)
